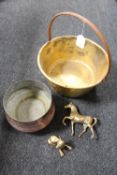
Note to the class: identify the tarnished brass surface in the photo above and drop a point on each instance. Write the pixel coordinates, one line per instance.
(75, 117)
(59, 143)
(70, 70)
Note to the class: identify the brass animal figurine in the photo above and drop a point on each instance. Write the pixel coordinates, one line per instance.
(75, 117)
(59, 143)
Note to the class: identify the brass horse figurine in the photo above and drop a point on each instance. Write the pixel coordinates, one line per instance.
(75, 117)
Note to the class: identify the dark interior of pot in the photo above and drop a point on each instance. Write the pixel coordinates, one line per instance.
(70, 66)
(27, 101)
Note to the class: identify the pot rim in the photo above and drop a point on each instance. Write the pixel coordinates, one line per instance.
(72, 88)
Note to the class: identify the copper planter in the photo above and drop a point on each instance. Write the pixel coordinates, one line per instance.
(28, 106)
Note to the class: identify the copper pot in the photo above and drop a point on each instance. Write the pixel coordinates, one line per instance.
(28, 106)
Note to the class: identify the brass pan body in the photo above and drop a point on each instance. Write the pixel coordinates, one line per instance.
(70, 70)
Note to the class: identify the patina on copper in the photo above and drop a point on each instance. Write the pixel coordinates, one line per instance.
(22, 106)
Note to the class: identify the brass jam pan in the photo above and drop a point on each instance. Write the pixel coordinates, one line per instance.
(28, 106)
(70, 70)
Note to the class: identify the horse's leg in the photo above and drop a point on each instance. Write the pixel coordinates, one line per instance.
(92, 131)
(61, 152)
(84, 130)
(69, 147)
(63, 121)
(72, 125)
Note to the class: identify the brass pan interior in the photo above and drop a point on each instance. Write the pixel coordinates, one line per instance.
(63, 63)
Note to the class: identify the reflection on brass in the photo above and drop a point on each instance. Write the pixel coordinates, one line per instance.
(75, 117)
(59, 143)
(70, 70)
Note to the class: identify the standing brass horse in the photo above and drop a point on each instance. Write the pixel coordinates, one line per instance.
(75, 117)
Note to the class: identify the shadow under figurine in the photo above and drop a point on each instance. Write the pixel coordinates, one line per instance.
(75, 117)
(59, 143)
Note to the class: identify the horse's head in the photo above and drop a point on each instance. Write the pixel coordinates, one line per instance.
(69, 105)
(72, 107)
(53, 140)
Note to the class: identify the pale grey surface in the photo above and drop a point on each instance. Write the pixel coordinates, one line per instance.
(23, 29)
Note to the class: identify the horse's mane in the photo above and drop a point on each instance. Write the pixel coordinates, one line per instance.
(75, 108)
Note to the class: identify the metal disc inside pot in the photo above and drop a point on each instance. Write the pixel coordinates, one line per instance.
(28, 104)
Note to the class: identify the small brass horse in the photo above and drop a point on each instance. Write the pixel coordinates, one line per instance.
(75, 117)
(59, 143)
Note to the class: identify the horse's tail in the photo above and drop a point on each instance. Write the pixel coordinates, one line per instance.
(95, 121)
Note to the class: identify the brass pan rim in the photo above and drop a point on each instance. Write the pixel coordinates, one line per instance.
(72, 88)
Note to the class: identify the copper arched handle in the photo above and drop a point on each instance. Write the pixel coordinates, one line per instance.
(89, 23)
